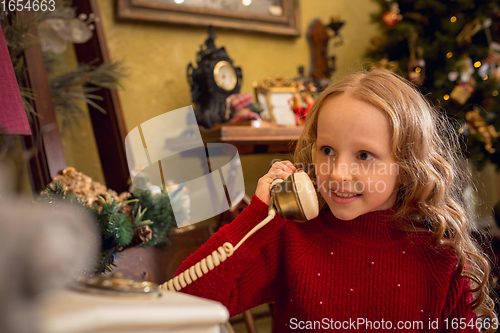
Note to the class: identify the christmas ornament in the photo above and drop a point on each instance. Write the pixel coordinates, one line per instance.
(416, 65)
(494, 47)
(392, 16)
(495, 73)
(377, 43)
(469, 30)
(307, 97)
(416, 71)
(493, 58)
(483, 70)
(477, 126)
(453, 76)
(385, 63)
(461, 93)
(493, 62)
(301, 102)
(466, 69)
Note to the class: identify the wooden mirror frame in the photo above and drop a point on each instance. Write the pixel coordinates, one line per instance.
(287, 24)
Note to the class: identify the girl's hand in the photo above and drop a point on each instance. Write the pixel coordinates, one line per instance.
(279, 170)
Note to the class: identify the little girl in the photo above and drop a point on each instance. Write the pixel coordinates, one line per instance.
(392, 247)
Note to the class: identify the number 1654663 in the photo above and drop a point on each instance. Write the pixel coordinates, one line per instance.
(29, 5)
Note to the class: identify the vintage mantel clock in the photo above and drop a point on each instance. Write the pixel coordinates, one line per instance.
(212, 82)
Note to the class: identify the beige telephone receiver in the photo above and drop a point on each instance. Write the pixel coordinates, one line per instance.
(293, 198)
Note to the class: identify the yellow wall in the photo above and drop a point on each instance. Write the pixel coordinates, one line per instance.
(156, 57)
(80, 148)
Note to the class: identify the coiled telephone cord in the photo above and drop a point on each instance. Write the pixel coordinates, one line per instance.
(211, 261)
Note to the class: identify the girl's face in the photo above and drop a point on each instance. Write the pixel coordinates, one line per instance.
(355, 170)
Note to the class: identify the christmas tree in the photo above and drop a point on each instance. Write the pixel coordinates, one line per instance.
(449, 50)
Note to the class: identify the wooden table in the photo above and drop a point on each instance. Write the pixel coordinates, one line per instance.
(255, 137)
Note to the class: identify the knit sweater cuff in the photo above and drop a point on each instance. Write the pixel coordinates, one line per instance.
(249, 218)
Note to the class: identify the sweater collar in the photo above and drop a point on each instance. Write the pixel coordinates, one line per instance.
(372, 228)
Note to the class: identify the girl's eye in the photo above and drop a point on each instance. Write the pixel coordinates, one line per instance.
(365, 156)
(328, 151)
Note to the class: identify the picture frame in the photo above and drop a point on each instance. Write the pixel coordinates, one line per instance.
(275, 95)
(280, 17)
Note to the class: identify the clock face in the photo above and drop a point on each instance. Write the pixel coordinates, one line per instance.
(225, 76)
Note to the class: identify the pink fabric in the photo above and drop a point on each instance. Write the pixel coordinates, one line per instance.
(13, 117)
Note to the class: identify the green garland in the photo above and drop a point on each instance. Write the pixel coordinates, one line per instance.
(117, 222)
(156, 208)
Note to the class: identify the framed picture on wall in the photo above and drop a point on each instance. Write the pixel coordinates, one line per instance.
(276, 102)
(280, 17)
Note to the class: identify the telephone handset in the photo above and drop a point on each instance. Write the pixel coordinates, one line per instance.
(293, 198)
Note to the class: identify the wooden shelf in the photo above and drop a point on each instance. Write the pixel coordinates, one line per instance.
(251, 139)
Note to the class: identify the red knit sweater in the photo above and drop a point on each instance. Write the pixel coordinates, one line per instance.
(327, 274)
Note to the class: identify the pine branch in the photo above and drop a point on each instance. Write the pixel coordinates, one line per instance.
(77, 85)
(68, 89)
(106, 76)
(57, 192)
(116, 228)
(158, 210)
(121, 225)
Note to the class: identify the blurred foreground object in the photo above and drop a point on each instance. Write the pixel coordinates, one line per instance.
(69, 311)
(42, 247)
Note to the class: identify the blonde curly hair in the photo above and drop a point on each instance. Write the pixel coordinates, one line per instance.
(432, 170)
